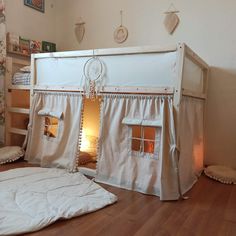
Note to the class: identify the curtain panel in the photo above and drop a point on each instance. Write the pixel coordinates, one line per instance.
(54, 129)
(191, 135)
(122, 164)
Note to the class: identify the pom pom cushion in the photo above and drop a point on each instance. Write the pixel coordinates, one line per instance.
(10, 154)
(223, 174)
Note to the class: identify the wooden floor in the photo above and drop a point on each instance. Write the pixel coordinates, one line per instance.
(210, 211)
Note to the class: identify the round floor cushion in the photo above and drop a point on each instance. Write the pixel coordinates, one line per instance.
(224, 174)
(10, 154)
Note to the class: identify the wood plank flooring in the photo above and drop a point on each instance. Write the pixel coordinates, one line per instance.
(210, 211)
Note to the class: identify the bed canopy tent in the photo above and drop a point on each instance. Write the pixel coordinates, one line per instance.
(151, 134)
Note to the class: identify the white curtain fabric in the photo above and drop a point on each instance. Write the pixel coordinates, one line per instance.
(118, 165)
(191, 141)
(60, 151)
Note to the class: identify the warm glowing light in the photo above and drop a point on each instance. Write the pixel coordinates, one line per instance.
(88, 142)
(85, 143)
(198, 156)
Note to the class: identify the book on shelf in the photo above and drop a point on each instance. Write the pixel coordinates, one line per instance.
(23, 46)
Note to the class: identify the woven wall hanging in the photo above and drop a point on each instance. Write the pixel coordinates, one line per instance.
(121, 33)
(171, 20)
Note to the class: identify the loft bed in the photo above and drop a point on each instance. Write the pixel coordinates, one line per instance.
(151, 106)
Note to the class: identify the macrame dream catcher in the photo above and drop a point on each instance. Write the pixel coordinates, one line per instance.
(93, 72)
(171, 20)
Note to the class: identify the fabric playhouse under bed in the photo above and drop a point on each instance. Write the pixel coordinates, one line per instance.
(33, 197)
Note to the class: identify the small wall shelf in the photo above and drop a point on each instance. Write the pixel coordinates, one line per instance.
(18, 131)
(10, 52)
(18, 110)
(19, 87)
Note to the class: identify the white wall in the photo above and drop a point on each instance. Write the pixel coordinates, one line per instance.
(207, 26)
(32, 24)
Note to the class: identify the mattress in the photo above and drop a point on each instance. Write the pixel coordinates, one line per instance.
(32, 198)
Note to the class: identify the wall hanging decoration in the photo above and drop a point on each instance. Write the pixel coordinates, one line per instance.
(93, 73)
(38, 5)
(121, 33)
(79, 30)
(171, 20)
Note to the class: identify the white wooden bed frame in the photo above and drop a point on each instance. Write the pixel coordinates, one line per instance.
(178, 90)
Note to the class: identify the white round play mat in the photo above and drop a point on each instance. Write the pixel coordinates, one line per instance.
(10, 154)
(223, 174)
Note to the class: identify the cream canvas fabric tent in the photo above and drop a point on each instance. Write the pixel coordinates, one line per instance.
(151, 118)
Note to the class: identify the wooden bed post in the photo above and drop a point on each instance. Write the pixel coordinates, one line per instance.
(206, 72)
(8, 100)
(33, 77)
(185, 51)
(178, 88)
